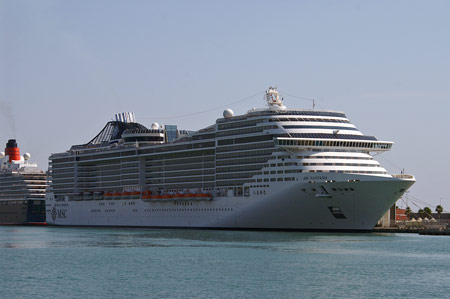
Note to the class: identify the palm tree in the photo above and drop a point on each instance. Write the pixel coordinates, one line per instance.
(427, 212)
(408, 212)
(439, 209)
(421, 213)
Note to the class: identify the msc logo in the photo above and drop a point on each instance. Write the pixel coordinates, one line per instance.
(58, 213)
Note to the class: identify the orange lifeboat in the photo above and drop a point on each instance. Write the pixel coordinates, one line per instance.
(156, 197)
(182, 196)
(147, 195)
(108, 195)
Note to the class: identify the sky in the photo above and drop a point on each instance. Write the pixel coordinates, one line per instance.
(66, 67)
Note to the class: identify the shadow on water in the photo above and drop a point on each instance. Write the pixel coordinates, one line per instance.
(57, 237)
(142, 237)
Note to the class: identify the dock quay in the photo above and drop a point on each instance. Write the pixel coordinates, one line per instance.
(445, 232)
(437, 231)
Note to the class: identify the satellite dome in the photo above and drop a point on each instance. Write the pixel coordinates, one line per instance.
(228, 113)
(155, 126)
(2, 155)
(26, 156)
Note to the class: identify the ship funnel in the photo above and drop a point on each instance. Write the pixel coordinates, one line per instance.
(126, 117)
(12, 150)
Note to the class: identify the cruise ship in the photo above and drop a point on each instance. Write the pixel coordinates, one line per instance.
(22, 188)
(271, 169)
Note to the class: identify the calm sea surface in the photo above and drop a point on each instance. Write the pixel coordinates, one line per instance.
(58, 262)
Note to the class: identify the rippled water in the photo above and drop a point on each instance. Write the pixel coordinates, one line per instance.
(65, 262)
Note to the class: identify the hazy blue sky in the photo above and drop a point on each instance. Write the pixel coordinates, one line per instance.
(66, 67)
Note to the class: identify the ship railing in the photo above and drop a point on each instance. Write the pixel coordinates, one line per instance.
(135, 131)
(403, 176)
(265, 111)
(208, 129)
(94, 149)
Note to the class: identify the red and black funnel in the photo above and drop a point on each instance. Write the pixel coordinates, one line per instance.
(12, 150)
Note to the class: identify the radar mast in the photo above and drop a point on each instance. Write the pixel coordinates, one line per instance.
(273, 99)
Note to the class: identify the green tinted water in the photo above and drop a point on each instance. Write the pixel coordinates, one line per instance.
(146, 263)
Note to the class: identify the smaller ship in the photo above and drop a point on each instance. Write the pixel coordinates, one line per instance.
(22, 188)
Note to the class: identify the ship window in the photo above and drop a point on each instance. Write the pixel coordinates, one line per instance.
(225, 142)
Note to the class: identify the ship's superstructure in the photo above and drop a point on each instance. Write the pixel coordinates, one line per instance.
(271, 168)
(22, 188)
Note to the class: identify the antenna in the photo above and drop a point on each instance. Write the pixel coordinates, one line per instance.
(314, 104)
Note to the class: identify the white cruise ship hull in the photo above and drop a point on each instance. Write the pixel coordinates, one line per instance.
(355, 204)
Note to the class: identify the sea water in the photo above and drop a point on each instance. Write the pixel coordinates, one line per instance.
(65, 262)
